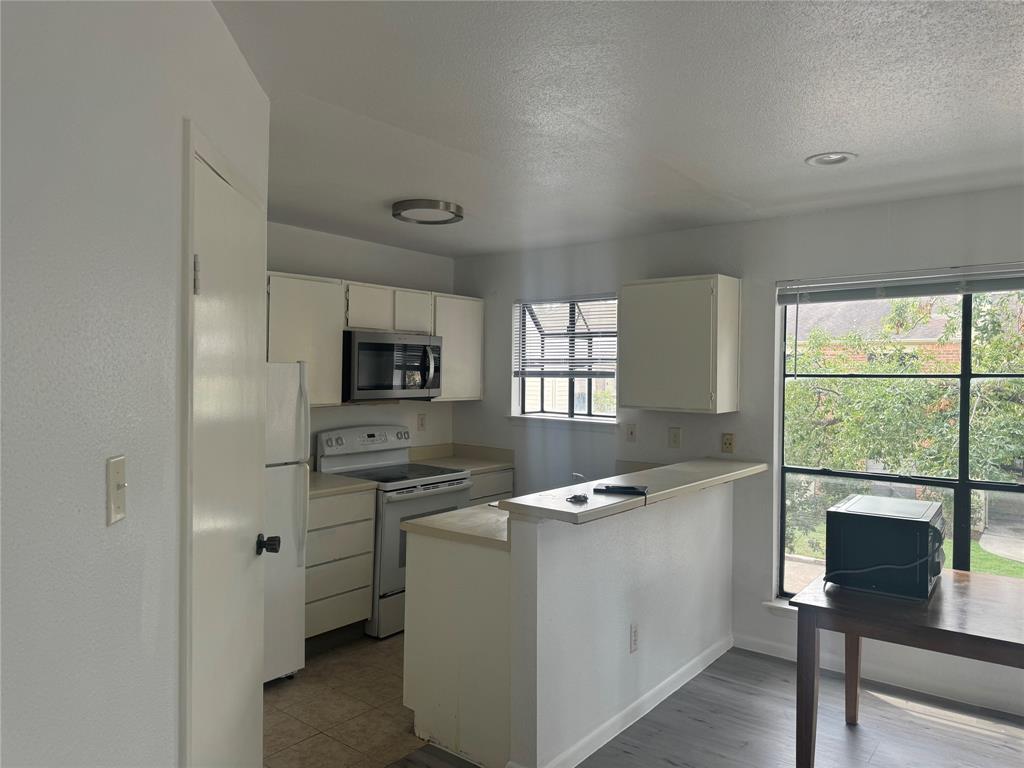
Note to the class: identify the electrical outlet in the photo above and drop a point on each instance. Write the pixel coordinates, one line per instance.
(728, 442)
(421, 422)
(634, 637)
(631, 433)
(675, 437)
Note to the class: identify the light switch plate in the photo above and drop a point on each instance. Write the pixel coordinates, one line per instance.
(421, 422)
(117, 486)
(631, 433)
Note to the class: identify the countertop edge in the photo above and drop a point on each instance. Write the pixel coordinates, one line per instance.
(534, 512)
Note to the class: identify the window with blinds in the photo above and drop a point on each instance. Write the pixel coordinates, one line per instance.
(564, 357)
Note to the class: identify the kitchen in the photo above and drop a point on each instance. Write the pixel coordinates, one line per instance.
(464, 384)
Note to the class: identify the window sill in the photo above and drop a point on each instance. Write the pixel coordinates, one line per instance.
(780, 607)
(578, 422)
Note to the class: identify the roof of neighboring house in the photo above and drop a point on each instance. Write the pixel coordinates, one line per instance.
(866, 317)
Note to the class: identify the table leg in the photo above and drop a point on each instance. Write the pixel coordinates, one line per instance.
(806, 686)
(852, 677)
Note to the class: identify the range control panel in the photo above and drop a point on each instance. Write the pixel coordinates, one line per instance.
(348, 440)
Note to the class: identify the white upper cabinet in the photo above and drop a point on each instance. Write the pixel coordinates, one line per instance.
(459, 321)
(679, 344)
(307, 316)
(414, 311)
(370, 306)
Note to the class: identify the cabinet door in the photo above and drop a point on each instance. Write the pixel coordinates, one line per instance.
(306, 321)
(459, 321)
(666, 345)
(414, 311)
(370, 306)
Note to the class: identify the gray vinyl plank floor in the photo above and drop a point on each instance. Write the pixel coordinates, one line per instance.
(740, 713)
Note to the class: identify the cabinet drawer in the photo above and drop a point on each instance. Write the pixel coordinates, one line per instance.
(341, 541)
(343, 508)
(492, 484)
(339, 576)
(337, 611)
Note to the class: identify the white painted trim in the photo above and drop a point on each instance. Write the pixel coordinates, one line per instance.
(220, 165)
(767, 647)
(313, 278)
(781, 607)
(615, 725)
(185, 395)
(577, 422)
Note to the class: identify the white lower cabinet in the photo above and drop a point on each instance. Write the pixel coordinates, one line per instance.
(492, 486)
(339, 560)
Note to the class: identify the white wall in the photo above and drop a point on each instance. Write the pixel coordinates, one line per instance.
(94, 99)
(308, 252)
(971, 228)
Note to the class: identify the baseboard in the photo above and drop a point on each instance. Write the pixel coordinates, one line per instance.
(615, 725)
(767, 647)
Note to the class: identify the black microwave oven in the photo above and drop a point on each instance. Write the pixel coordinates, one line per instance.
(390, 366)
(883, 544)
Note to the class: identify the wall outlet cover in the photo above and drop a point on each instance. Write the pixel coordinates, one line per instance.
(728, 442)
(117, 486)
(421, 422)
(634, 637)
(675, 437)
(631, 433)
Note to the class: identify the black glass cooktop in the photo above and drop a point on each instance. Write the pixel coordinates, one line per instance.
(398, 472)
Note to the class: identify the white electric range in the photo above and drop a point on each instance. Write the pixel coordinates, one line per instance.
(404, 491)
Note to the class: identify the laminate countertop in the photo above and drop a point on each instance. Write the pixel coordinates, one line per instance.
(662, 483)
(483, 525)
(325, 484)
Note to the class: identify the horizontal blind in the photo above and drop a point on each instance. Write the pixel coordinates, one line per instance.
(1008, 277)
(566, 339)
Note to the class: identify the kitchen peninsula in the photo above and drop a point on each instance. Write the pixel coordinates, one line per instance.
(538, 630)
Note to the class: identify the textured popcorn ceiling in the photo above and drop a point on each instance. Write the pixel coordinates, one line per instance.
(567, 122)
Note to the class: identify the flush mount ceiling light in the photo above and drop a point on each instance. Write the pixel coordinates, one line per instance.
(427, 211)
(826, 159)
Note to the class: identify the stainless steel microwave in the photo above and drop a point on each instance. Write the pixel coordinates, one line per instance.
(390, 366)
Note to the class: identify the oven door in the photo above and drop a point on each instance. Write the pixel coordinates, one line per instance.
(398, 506)
(383, 366)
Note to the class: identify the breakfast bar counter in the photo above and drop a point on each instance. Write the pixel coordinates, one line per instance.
(537, 631)
(662, 483)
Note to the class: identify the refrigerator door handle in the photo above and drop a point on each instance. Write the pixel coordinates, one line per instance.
(303, 518)
(304, 410)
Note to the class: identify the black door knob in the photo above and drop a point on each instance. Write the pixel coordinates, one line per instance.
(269, 544)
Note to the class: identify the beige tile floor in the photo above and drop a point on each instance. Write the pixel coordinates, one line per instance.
(344, 710)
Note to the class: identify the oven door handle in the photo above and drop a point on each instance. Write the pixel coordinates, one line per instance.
(395, 496)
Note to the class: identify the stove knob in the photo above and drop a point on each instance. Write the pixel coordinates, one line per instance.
(330, 442)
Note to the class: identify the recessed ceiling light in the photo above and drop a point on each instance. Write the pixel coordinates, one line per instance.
(825, 159)
(427, 211)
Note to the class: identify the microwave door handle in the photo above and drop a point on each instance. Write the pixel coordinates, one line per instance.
(430, 372)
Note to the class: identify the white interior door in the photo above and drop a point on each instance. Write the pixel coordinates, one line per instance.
(223, 632)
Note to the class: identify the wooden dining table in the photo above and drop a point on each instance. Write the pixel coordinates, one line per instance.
(973, 615)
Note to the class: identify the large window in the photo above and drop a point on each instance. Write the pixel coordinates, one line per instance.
(911, 396)
(564, 358)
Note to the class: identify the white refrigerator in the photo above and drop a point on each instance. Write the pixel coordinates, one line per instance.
(286, 480)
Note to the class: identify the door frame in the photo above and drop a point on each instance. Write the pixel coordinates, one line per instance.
(197, 146)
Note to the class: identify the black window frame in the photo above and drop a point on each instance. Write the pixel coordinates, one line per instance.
(571, 412)
(962, 485)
